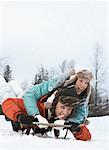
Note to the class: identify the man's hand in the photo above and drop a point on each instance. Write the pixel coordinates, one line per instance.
(27, 120)
(74, 126)
(31, 123)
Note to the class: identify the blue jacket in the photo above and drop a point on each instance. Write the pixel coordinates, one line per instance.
(36, 92)
(81, 113)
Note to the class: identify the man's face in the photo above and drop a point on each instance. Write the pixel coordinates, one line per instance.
(62, 111)
(81, 84)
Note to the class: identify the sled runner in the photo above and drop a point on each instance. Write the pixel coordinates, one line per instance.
(86, 122)
(35, 130)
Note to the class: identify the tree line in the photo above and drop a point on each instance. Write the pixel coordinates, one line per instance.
(99, 99)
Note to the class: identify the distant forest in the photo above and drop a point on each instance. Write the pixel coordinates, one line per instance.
(99, 99)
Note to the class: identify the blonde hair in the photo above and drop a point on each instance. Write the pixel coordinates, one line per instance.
(86, 74)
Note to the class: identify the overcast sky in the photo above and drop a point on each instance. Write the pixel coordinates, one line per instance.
(34, 33)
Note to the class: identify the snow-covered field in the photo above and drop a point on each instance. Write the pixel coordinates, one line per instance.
(99, 127)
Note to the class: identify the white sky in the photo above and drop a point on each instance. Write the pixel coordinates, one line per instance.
(34, 33)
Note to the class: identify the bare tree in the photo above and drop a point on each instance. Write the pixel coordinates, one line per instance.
(66, 65)
(100, 72)
(52, 72)
(63, 65)
(42, 75)
(71, 64)
(99, 102)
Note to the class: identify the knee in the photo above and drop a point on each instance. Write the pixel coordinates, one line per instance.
(84, 134)
(10, 109)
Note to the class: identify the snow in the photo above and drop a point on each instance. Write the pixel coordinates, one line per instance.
(99, 128)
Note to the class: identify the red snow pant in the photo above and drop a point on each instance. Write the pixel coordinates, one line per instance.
(84, 134)
(12, 107)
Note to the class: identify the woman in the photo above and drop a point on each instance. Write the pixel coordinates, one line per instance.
(78, 86)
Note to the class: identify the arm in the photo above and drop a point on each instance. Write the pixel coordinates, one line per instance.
(80, 114)
(82, 111)
(37, 91)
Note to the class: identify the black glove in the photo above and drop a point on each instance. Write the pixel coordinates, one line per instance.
(28, 123)
(27, 120)
(74, 126)
(15, 126)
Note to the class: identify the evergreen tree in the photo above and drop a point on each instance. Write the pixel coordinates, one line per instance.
(7, 73)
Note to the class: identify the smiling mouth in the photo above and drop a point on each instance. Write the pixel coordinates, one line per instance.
(79, 90)
(62, 117)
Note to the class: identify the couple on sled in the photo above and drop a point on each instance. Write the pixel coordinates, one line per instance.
(59, 101)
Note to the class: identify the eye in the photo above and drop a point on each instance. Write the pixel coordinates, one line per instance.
(69, 109)
(86, 83)
(81, 80)
(63, 107)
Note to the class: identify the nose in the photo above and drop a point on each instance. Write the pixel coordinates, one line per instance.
(82, 86)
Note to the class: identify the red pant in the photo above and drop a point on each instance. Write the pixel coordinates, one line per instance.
(11, 107)
(84, 134)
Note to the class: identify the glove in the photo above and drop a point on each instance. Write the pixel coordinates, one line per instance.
(41, 120)
(27, 120)
(59, 122)
(28, 123)
(74, 126)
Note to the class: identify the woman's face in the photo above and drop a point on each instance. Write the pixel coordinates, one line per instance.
(81, 84)
(62, 111)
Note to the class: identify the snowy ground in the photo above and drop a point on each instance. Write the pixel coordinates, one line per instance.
(99, 127)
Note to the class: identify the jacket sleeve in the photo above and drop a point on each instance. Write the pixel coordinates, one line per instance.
(37, 91)
(80, 114)
(82, 111)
